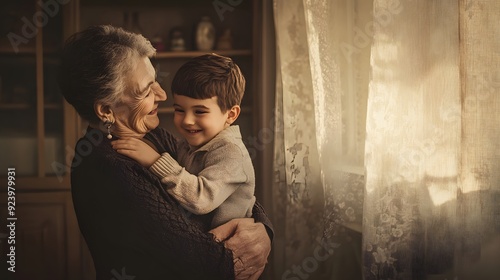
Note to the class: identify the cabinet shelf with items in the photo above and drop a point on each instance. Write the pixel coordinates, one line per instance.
(164, 22)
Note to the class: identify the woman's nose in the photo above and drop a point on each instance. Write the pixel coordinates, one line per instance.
(161, 95)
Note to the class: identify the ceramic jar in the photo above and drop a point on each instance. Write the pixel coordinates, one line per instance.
(205, 34)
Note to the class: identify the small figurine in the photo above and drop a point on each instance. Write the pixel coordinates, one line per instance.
(177, 42)
(225, 41)
(157, 43)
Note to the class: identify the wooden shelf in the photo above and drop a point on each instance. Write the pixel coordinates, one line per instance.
(187, 54)
(24, 106)
(170, 110)
(133, 3)
(5, 49)
(26, 50)
(166, 110)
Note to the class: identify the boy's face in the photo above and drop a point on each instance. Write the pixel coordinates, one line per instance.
(199, 120)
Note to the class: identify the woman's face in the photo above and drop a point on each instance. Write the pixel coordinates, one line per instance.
(137, 112)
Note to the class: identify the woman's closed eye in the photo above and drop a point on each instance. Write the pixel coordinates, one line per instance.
(146, 93)
(150, 89)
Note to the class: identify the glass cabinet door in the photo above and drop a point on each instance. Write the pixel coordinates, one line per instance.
(18, 89)
(53, 122)
(32, 115)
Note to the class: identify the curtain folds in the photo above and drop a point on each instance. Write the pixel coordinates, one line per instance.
(431, 202)
(319, 140)
(387, 122)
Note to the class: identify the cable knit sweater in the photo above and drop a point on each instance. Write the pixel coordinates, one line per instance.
(216, 177)
(134, 228)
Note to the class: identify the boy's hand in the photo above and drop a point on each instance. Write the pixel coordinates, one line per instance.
(137, 150)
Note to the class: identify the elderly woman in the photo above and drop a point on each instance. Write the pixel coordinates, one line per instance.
(132, 226)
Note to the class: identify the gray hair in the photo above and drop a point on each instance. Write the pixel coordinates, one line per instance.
(96, 64)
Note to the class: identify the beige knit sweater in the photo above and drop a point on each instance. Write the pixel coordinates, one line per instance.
(218, 176)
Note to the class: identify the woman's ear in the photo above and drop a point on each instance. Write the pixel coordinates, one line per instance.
(233, 114)
(104, 112)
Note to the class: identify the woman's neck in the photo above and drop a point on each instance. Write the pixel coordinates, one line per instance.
(116, 132)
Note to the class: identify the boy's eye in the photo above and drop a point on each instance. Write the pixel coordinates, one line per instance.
(200, 112)
(178, 110)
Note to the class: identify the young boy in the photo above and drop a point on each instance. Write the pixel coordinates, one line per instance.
(214, 172)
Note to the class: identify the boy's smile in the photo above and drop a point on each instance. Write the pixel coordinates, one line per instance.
(198, 120)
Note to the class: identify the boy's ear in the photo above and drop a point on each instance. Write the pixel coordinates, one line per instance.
(104, 112)
(233, 114)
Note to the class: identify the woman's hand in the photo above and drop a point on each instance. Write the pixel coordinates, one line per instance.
(249, 243)
(137, 150)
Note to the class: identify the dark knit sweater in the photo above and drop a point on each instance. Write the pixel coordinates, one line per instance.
(132, 227)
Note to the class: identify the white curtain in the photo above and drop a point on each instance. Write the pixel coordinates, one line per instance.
(388, 122)
(322, 84)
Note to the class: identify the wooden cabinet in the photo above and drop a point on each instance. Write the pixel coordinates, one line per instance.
(39, 129)
(36, 123)
(44, 237)
(36, 139)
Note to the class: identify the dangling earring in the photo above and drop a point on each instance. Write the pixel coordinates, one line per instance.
(108, 124)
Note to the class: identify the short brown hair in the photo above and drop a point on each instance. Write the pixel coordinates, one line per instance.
(211, 75)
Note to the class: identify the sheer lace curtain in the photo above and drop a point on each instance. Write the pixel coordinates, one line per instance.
(388, 121)
(322, 84)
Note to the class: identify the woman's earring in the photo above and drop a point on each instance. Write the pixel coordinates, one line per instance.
(108, 124)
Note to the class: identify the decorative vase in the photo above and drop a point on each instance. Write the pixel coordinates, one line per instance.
(205, 34)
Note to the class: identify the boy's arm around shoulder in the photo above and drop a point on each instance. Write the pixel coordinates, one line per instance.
(223, 172)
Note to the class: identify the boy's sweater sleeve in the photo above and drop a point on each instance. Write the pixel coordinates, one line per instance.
(202, 193)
